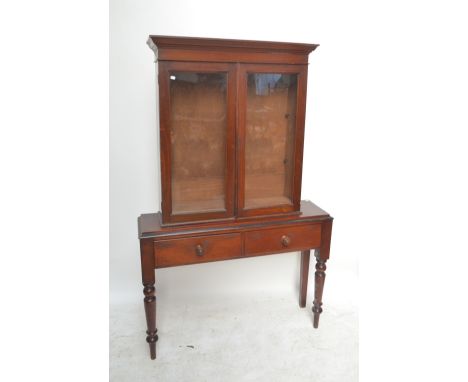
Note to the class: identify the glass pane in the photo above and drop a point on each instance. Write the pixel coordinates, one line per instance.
(269, 142)
(198, 141)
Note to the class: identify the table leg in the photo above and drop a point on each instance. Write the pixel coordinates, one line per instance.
(150, 310)
(304, 278)
(322, 254)
(147, 270)
(320, 268)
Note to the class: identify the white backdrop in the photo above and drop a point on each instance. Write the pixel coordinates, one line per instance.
(385, 154)
(386, 138)
(134, 145)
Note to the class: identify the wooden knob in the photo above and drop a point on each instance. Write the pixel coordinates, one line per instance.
(285, 240)
(199, 250)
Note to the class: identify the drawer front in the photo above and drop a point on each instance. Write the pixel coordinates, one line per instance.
(285, 239)
(197, 250)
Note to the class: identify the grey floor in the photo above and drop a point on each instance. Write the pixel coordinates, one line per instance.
(240, 338)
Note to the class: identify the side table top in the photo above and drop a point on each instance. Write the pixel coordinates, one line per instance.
(149, 225)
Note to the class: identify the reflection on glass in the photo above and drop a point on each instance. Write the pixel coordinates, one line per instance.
(198, 141)
(269, 143)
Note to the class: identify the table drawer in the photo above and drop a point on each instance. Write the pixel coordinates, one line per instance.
(197, 250)
(284, 239)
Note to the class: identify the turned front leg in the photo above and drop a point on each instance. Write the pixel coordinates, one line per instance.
(304, 278)
(322, 254)
(147, 270)
(320, 268)
(150, 311)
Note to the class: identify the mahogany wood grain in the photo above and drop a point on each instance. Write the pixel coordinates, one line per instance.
(171, 48)
(284, 239)
(150, 225)
(299, 137)
(304, 277)
(231, 161)
(275, 189)
(320, 269)
(199, 43)
(276, 138)
(200, 138)
(322, 254)
(212, 241)
(198, 249)
(326, 239)
(147, 268)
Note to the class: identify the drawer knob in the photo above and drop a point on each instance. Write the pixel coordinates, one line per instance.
(199, 250)
(285, 240)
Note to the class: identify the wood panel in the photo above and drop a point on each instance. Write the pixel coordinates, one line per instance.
(150, 225)
(172, 48)
(199, 249)
(283, 239)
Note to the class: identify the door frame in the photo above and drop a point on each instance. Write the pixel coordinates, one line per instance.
(298, 145)
(165, 68)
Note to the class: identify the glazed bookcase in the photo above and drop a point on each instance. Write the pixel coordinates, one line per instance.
(231, 124)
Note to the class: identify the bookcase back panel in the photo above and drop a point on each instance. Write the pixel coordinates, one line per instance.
(269, 140)
(198, 131)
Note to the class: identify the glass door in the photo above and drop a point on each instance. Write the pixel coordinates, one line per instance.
(197, 140)
(271, 124)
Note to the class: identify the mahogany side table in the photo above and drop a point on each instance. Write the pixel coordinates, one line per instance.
(192, 243)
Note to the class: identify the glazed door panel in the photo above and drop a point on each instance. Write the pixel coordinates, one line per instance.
(198, 128)
(271, 124)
